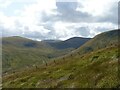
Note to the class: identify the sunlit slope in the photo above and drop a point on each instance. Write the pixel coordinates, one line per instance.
(100, 41)
(97, 68)
(18, 52)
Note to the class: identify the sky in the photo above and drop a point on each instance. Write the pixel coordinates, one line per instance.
(57, 19)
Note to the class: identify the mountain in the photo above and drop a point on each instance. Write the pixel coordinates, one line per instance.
(74, 42)
(100, 41)
(22, 42)
(84, 68)
(19, 52)
(16, 50)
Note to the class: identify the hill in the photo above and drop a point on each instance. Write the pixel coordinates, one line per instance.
(100, 41)
(19, 52)
(74, 42)
(97, 68)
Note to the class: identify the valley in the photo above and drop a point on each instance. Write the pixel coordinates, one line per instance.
(93, 65)
(19, 52)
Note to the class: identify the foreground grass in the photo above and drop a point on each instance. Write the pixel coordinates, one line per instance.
(97, 69)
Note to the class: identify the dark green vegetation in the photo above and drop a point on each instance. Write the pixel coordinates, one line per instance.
(75, 42)
(87, 67)
(19, 52)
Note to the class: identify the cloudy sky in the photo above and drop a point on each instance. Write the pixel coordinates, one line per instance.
(57, 19)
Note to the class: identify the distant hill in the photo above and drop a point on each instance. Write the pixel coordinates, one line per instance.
(93, 65)
(22, 42)
(74, 42)
(19, 52)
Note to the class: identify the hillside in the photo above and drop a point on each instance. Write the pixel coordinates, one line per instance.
(91, 68)
(22, 42)
(19, 52)
(100, 41)
(74, 42)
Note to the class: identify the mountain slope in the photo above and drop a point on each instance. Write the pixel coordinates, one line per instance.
(19, 52)
(100, 41)
(97, 68)
(22, 42)
(74, 42)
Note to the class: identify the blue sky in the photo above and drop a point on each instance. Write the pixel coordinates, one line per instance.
(57, 19)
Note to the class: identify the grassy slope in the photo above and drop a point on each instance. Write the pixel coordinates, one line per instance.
(98, 68)
(84, 72)
(21, 52)
(103, 40)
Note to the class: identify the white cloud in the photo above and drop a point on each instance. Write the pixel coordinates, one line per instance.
(29, 19)
(7, 22)
(31, 14)
(96, 7)
(5, 3)
(66, 30)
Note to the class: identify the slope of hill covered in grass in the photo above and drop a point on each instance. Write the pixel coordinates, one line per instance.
(96, 68)
(100, 41)
(19, 52)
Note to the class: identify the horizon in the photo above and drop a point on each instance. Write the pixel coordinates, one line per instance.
(57, 39)
(44, 39)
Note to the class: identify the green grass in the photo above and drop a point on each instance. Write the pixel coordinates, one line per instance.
(16, 55)
(100, 41)
(93, 65)
(74, 72)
